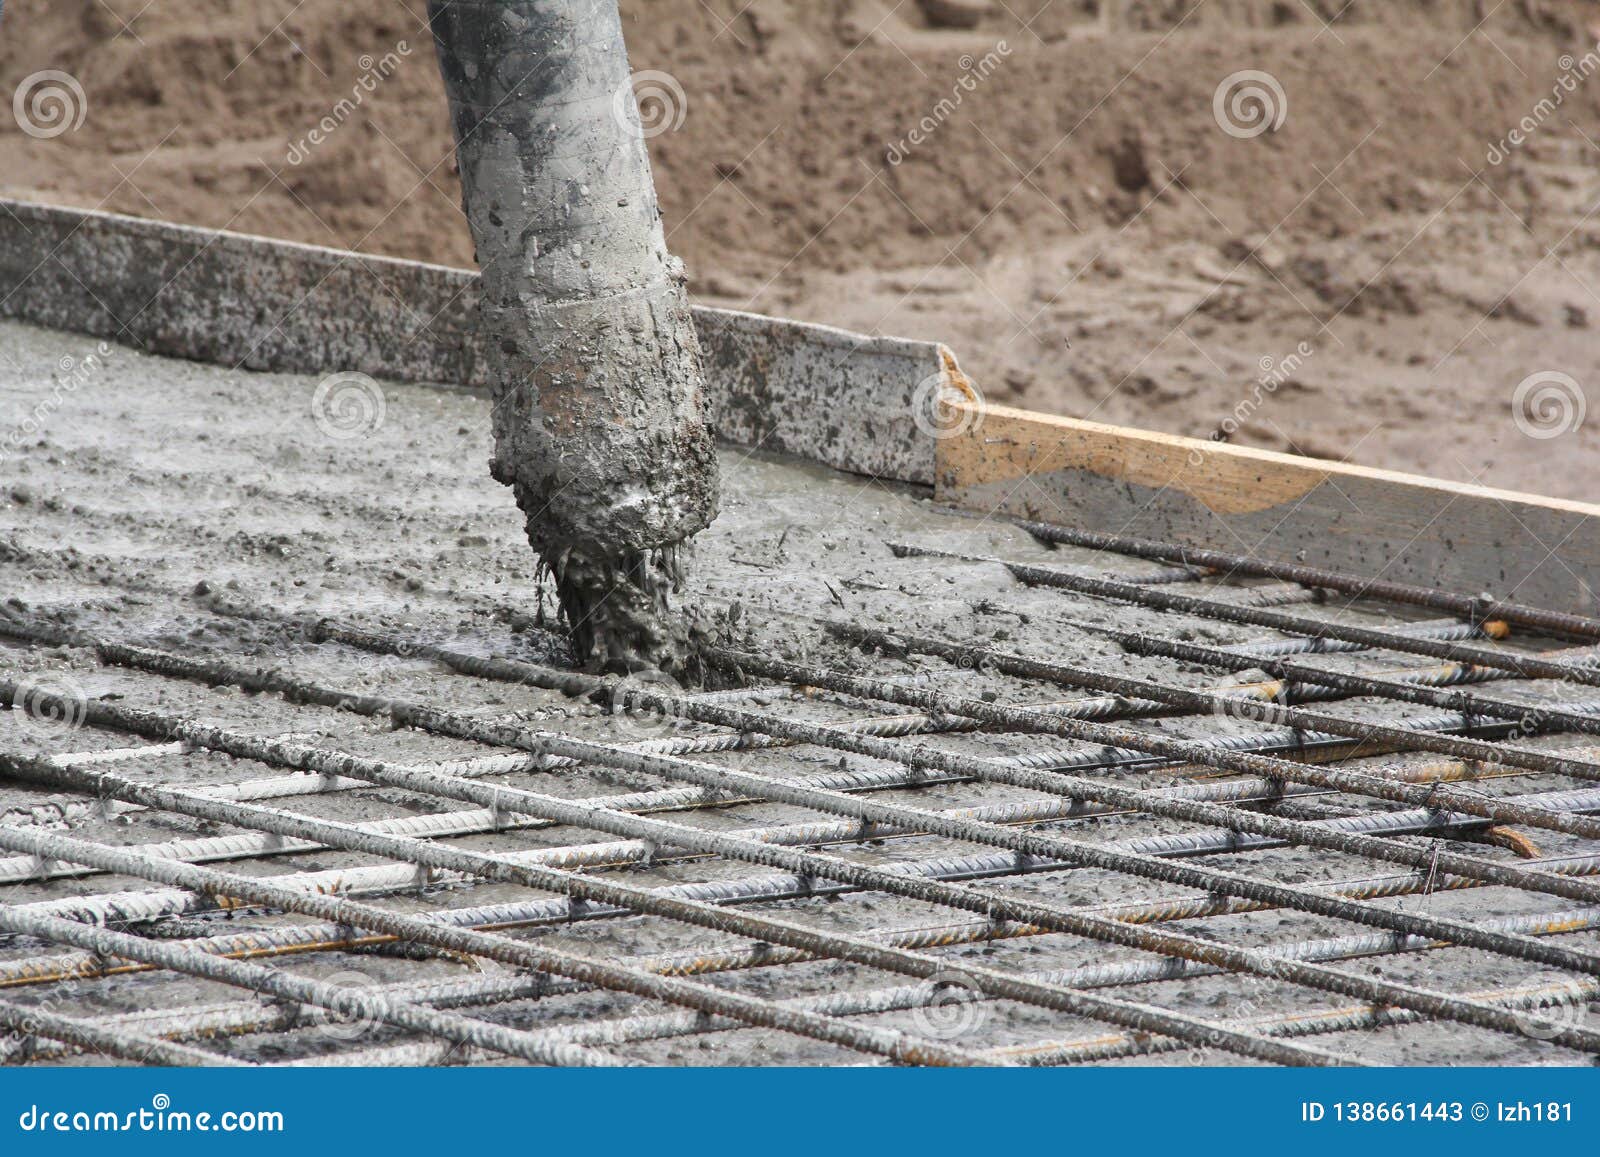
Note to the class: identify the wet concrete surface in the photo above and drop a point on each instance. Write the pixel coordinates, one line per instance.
(140, 497)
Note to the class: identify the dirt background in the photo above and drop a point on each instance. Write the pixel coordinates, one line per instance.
(1077, 225)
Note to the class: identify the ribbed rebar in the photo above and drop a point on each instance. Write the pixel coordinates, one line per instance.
(1532, 998)
(1529, 718)
(1477, 608)
(1255, 709)
(1057, 723)
(368, 880)
(1525, 666)
(1294, 831)
(413, 714)
(136, 907)
(853, 949)
(635, 1029)
(124, 1044)
(239, 1018)
(991, 903)
(703, 998)
(354, 1002)
(681, 706)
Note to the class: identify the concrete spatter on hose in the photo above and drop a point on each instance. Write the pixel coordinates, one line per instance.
(599, 415)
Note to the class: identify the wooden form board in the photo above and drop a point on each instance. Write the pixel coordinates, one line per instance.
(1372, 523)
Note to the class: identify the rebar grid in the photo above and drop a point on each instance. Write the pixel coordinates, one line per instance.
(1259, 805)
(995, 905)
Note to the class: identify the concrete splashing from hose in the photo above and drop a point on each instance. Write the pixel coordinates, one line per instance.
(599, 418)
